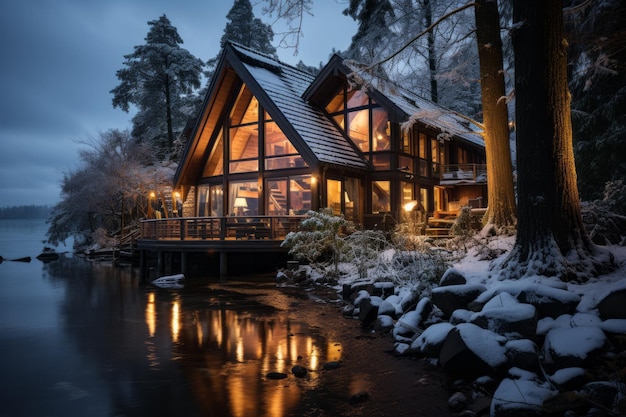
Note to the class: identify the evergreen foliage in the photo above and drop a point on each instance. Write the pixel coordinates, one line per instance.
(243, 28)
(159, 79)
(598, 86)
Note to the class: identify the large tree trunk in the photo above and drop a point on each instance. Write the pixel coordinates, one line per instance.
(432, 52)
(501, 210)
(551, 239)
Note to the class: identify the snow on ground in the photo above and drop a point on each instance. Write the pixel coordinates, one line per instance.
(576, 335)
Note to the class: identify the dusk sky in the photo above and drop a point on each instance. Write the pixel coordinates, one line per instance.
(58, 68)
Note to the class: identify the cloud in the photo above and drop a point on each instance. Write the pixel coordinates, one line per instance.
(59, 65)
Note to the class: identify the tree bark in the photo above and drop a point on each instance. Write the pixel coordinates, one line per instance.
(501, 209)
(551, 239)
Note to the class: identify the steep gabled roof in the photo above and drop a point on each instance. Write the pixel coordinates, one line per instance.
(401, 104)
(279, 88)
(283, 86)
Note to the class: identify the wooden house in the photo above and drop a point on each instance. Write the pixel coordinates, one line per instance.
(273, 140)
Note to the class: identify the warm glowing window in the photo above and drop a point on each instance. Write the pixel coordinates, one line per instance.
(381, 193)
(358, 129)
(279, 151)
(244, 134)
(289, 195)
(333, 195)
(381, 130)
(357, 98)
(210, 200)
(215, 165)
(243, 198)
(336, 104)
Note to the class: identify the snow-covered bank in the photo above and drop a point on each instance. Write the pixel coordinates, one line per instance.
(526, 347)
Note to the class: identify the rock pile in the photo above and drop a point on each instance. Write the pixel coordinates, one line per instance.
(524, 348)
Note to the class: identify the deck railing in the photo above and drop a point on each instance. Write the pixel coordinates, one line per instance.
(220, 228)
(468, 173)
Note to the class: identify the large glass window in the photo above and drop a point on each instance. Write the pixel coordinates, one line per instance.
(381, 197)
(344, 197)
(358, 129)
(243, 198)
(333, 196)
(279, 151)
(381, 130)
(210, 200)
(299, 194)
(215, 165)
(289, 195)
(244, 134)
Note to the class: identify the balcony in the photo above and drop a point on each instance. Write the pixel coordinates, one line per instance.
(220, 228)
(461, 174)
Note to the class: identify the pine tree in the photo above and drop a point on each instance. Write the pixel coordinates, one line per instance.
(159, 78)
(374, 17)
(243, 28)
(598, 83)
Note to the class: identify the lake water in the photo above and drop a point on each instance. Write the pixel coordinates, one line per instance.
(80, 338)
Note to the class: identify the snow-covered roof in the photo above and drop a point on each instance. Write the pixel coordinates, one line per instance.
(285, 86)
(417, 108)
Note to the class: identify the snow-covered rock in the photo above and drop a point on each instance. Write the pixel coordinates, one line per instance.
(523, 354)
(453, 297)
(519, 397)
(472, 350)
(504, 315)
(549, 301)
(612, 305)
(452, 277)
(429, 343)
(567, 347)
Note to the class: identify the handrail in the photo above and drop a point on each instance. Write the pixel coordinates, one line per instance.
(220, 228)
(464, 172)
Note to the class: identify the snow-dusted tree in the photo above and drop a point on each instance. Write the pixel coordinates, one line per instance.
(159, 78)
(242, 27)
(551, 239)
(374, 18)
(598, 83)
(501, 195)
(108, 191)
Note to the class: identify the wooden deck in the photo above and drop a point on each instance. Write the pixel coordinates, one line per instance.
(229, 233)
(254, 237)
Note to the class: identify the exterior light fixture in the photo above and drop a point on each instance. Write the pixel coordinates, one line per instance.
(410, 205)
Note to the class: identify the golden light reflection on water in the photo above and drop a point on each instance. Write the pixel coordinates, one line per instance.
(175, 319)
(230, 353)
(151, 315)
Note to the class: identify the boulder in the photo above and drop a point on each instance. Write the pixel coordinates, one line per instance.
(457, 402)
(383, 289)
(472, 351)
(429, 343)
(568, 347)
(408, 298)
(408, 325)
(368, 310)
(424, 308)
(612, 305)
(383, 324)
(504, 315)
(452, 277)
(549, 301)
(519, 398)
(523, 354)
(453, 297)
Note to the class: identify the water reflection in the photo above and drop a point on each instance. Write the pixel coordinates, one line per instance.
(226, 349)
